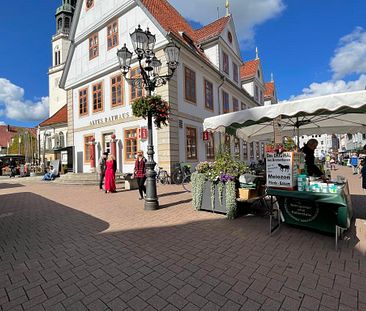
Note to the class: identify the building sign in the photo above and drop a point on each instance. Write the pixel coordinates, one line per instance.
(63, 157)
(143, 133)
(110, 118)
(301, 210)
(281, 172)
(205, 135)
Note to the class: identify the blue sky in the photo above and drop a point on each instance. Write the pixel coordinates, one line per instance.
(299, 41)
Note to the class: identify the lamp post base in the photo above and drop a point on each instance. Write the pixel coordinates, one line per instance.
(151, 205)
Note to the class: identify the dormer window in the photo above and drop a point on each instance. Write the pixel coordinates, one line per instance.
(225, 62)
(230, 37)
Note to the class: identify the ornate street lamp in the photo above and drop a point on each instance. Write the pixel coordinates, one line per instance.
(143, 44)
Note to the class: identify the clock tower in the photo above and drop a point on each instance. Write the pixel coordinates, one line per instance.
(60, 47)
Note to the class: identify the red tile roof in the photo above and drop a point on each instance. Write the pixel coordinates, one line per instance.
(249, 69)
(168, 17)
(59, 117)
(211, 30)
(7, 132)
(269, 90)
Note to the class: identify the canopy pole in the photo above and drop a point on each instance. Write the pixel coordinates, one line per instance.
(298, 133)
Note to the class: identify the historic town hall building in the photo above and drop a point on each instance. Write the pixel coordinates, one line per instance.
(211, 79)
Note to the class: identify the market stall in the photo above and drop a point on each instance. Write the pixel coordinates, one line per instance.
(325, 206)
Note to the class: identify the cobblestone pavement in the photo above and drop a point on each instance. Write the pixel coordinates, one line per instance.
(75, 248)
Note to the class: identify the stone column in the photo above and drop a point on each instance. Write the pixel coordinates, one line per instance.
(92, 154)
(113, 146)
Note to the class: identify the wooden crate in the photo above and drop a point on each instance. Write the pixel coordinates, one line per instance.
(246, 194)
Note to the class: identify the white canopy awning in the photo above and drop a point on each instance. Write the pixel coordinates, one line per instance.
(330, 114)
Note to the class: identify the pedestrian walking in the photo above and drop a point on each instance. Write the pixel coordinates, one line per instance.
(332, 164)
(13, 167)
(140, 173)
(110, 175)
(354, 163)
(363, 174)
(101, 169)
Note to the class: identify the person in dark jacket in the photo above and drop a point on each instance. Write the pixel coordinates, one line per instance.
(13, 167)
(309, 149)
(102, 168)
(140, 173)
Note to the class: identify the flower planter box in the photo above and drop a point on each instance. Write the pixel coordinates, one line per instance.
(212, 200)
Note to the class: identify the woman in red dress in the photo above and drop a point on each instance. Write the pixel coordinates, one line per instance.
(110, 175)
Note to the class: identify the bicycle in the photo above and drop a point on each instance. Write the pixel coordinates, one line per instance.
(182, 175)
(162, 176)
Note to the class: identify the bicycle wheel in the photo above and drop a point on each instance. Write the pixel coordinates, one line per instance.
(187, 185)
(177, 177)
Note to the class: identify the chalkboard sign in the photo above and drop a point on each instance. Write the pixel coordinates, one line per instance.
(301, 210)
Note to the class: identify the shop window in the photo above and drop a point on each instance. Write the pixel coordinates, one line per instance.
(136, 88)
(236, 147)
(97, 97)
(112, 34)
(87, 141)
(225, 102)
(130, 144)
(93, 46)
(117, 91)
(190, 85)
(208, 95)
(245, 150)
(191, 143)
(210, 146)
(225, 62)
(83, 102)
(235, 104)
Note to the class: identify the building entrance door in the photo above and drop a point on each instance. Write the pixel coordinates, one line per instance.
(107, 142)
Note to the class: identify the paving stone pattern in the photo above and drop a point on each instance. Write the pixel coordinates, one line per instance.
(75, 248)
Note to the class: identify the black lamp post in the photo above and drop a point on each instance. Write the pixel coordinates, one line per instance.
(143, 44)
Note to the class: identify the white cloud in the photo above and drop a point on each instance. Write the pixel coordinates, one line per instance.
(329, 87)
(2, 123)
(350, 56)
(247, 14)
(16, 107)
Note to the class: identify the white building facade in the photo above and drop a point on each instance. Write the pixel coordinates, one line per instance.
(206, 83)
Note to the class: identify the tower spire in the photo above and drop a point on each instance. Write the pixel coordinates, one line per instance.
(227, 5)
(256, 53)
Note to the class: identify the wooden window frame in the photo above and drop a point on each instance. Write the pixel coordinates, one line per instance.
(211, 136)
(223, 102)
(86, 102)
(235, 104)
(225, 62)
(101, 91)
(235, 72)
(193, 129)
(93, 45)
(188, 98)
(110, 36)
(116, 84)
(130, 139)
(211, 106)
(132, 88)
(89, 137)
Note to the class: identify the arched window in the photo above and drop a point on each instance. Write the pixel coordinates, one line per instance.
(59, 24)
(67, 23)
(62, 140)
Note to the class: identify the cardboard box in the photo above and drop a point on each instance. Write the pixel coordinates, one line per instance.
(246, 194)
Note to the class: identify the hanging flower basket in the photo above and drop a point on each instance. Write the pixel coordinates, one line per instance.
(160, 109)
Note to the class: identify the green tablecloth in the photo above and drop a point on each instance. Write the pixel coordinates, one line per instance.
(317, 210)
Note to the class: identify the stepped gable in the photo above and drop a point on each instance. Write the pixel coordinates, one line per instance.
(269, 90)
(212, 30)
(59, 117)
(249, 69)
